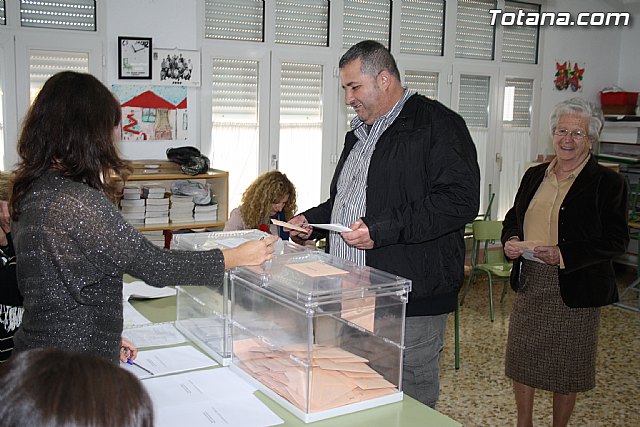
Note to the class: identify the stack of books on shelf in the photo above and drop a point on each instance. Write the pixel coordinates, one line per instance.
(156, 237)
(181, 209)
(132, 206)
(206, 212)
(157, 205)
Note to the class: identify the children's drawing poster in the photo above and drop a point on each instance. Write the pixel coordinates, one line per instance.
(152, 113)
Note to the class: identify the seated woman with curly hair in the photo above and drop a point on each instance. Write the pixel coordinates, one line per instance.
(271, 195)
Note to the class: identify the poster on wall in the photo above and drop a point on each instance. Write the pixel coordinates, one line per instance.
(176, 67)
(152, 113)
(569, 76)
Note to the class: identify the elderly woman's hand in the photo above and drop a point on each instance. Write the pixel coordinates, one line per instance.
(549, 254)
(511, 250)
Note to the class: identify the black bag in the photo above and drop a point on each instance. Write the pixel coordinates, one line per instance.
(190, 159)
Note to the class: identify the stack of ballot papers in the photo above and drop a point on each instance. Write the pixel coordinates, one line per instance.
(337, 377)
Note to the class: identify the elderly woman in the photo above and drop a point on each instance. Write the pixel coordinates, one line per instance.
(271, 195)
(568, 221)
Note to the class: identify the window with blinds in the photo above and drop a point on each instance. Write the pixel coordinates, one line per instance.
(520, 42)
(422, 27)
(301, 93)
(518, 98)
(424, 82)
(234, 92)
(304, 23)
(45, 63)
(475, 36)
(301, 129)
(3, 14)
(65, 15)
(234, 122)
(234, 20)
(473, 103)
(366, 20)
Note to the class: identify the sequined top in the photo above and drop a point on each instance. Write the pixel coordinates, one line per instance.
(73, 247)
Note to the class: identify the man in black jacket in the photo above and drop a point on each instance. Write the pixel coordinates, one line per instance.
(407, 182)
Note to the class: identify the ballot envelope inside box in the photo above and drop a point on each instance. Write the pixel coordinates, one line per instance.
(202, 313)
(320, 335)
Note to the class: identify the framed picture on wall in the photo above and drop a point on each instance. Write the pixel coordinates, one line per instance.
(134, 58)
(176, 67)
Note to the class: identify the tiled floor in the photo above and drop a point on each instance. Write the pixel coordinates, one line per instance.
(479, 394)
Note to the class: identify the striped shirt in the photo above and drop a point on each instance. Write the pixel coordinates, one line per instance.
(350, 202)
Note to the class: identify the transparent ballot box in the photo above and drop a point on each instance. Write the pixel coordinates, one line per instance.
(320, 335)
(202, 311)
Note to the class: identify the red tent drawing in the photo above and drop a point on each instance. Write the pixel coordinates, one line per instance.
(162, 129)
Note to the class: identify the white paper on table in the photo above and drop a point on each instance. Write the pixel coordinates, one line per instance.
(139, 289)
(157, 334)
(332, 227)
(206, 398)
(162, 361)
(132, 317)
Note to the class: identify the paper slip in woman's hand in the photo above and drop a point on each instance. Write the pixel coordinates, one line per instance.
(527, 244)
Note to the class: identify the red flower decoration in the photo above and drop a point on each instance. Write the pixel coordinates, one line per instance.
(263, 227)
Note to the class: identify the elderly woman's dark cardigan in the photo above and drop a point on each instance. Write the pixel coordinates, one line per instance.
(592, 230)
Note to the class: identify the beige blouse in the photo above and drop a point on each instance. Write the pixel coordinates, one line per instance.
(541, 218)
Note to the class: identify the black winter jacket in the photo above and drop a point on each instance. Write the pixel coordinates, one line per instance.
(422, 188)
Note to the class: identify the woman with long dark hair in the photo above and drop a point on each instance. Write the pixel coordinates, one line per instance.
(72, 244)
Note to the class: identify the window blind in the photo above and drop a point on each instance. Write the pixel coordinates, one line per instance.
(59, 14)
(424, 82)
(475, 36)
(234, 91)
(366, 20)
(520, 42)
(3, 14)
(304, 23)
(234, 20)
(301, 93)
(422, 27)
(518, 102)
(473, 103)
(45, 63)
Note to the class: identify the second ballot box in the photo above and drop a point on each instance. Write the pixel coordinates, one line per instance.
(202, 313)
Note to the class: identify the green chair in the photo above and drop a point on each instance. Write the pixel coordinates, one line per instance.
(488, 261)
(468, 229)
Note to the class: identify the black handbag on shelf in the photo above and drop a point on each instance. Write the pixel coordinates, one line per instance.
(190, 159)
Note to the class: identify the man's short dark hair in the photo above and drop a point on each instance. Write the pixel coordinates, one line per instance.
(374, 56)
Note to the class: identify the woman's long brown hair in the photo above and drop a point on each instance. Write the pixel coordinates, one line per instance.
(70, 127)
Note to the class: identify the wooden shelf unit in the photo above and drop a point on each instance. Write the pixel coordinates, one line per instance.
(219, 181)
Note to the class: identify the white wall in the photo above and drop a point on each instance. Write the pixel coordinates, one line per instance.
(629, 70)
(599, 48)
(170, 24)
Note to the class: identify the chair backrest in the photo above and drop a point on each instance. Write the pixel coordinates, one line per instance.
(487, 230)
(483, 233)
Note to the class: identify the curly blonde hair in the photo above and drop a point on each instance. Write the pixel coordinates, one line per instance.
(266, 190)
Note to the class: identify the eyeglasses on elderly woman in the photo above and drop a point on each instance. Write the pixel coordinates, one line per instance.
(576, 135)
